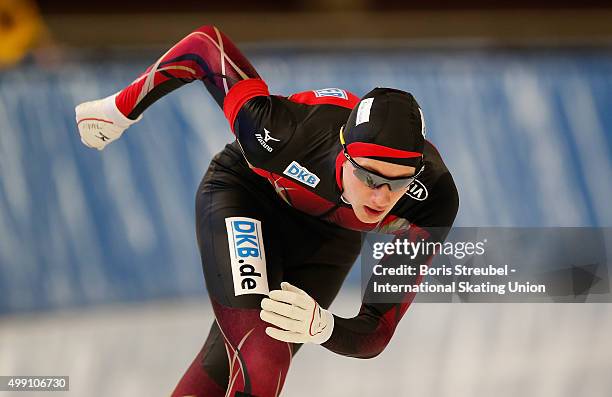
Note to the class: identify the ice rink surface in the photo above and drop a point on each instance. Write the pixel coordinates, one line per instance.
(452, 350)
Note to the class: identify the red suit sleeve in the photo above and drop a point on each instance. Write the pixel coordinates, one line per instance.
(205, 54)
(367, 334)
(240, 93)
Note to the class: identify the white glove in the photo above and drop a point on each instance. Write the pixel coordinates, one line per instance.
(300, 317)
(100, 122)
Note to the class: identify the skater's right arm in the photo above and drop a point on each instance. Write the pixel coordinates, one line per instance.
(206, 54)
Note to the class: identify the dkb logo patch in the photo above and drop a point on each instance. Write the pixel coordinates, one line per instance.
(247, 256)
(301, 174)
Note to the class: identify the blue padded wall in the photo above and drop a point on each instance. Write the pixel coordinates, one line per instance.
(527, 135)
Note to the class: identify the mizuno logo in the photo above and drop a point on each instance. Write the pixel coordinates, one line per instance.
(102, 137)
(268, 137)
(263, 140)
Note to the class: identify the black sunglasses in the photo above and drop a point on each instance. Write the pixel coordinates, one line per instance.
(374, 180)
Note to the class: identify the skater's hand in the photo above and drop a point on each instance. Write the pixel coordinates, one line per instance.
(299, 317)
(100, 122)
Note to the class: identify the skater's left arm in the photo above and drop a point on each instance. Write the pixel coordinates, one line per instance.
(299, 319)
(367, 334)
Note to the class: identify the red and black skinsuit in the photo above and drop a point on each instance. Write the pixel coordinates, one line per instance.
(311, 237)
